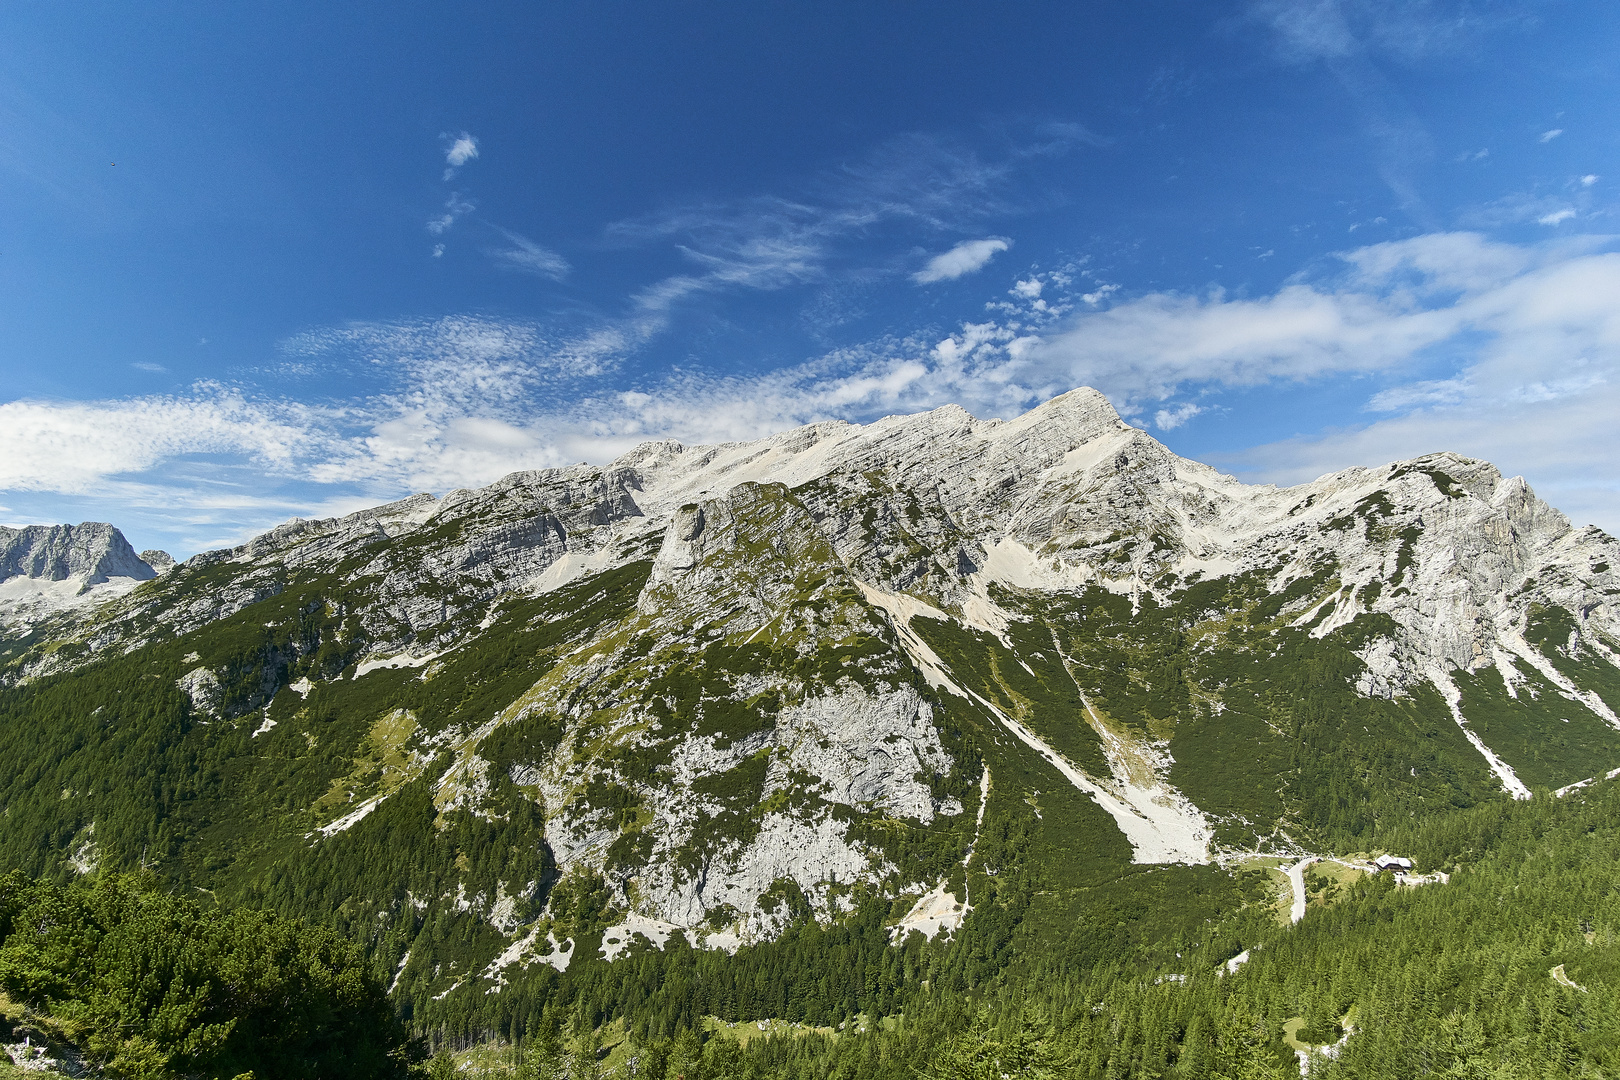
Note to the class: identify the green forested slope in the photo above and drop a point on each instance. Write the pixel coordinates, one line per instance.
(1442, 980)
(151, 986)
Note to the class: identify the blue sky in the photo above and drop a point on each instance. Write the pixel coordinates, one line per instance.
(311, 257)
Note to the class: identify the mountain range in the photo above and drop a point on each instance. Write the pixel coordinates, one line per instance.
(706, 696)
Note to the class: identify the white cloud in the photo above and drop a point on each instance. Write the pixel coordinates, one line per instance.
(438, 251)
(1512, 209)
(142, 365)
(530, 258)
(74, 447)
(1561, 443)
(457, 402)
(454, 208)
(1419, 395)
(461, 149)
(965, 258)
(1589, 179)
(1549, 136)
(1393, 302)
(1176, 415)
(1028, 289)
(1556, 217)
(769, 243)
(1405, 30)
(914, 178)
(1536, 393)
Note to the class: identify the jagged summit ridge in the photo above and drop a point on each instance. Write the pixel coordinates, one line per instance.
(942, 505)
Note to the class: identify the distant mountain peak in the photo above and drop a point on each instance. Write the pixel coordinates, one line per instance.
(92, 552)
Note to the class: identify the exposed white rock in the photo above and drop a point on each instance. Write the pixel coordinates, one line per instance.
(935, 912)
(527, 950)
(866, 749)
(813, 854)
(91, 553)
(1503, 771)
(203, 688)
(1296, 883)
(28, 601)
(85, 858)
(353, 817)
(1162, 825)
(403, 660)
(616, 940)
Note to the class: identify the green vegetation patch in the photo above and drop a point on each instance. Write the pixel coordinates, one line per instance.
(1042, 696)
(151, 985)
(1546, 738)
(1551, 630)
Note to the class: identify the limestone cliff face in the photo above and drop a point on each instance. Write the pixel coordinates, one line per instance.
(807, 752)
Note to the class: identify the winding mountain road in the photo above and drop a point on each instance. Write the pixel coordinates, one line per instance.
(1296, 878)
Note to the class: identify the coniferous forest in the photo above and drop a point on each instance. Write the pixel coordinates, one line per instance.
(1509, 969)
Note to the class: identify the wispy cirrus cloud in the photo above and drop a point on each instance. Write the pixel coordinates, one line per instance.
(75, 447)
(1344, 36)
(455, 208)
(526, 256)
(1405, 31)
(772, 242)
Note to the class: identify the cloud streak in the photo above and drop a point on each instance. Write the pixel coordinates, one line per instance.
(526, 256)
(1350, 37)
(769, 242)
(455, 207)
(968, 257)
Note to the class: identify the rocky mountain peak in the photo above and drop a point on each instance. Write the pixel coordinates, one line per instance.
(1081, 414)
(91, 552)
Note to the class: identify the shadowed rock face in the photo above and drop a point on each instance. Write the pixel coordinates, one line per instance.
(93, 551)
